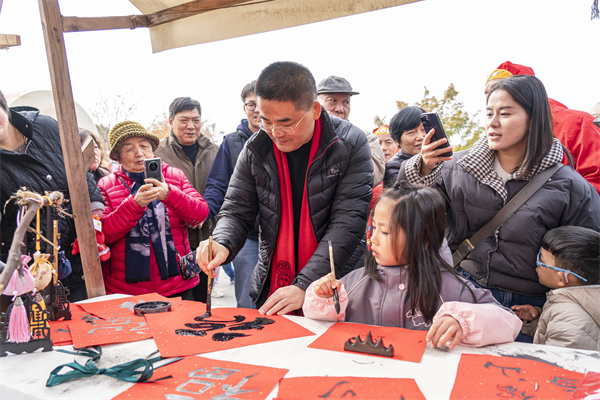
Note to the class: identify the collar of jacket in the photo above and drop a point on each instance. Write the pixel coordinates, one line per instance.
(23, 118)
(203, 141)
(263, 144)
(479, 162)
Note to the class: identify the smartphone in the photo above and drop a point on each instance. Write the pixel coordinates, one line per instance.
(432, 121)
(597, 122)
(153, 168)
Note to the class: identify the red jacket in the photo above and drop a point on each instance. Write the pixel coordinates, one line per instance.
(576, 130)
(184, 204)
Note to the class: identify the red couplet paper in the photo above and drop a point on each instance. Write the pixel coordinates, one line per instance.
(95, 331)
(124, 307)
(492, 377)
(59, 330)
(408, 345)
(317, 387)
(184, 332)
(203, 378)
(589, 388)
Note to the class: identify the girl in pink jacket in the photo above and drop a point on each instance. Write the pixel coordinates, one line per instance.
(407, 281)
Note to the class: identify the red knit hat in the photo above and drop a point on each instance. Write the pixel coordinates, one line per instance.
(507, 69)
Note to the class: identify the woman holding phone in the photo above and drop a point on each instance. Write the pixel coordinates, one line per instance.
(477, 183)
(407, 131)
(144, 222)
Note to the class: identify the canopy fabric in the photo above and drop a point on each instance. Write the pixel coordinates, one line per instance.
(248, 18)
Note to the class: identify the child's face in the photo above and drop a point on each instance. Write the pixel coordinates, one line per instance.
(548, 277)
(381, 240)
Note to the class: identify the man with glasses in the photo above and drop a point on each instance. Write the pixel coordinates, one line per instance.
(308, 178)
(216, 187)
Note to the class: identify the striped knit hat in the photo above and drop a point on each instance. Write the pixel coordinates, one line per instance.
(125, 130)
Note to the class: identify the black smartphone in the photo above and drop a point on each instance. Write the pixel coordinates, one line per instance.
(153, 168)
(597, 122)
(432, 121)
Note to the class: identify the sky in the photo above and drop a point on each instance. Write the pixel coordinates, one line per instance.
(386, 55)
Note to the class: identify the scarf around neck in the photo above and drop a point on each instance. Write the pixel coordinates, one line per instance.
(151, 233)
(283, 266)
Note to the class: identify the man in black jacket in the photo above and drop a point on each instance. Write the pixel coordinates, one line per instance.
(308, 176)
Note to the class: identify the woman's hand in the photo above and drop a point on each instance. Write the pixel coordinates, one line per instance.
(526, 312)
(163, 188)
(324, 286)
(430, 156)
(146, 195)
(443, 330)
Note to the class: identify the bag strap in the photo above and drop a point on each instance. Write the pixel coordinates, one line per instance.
(125, 183)
(505, 213)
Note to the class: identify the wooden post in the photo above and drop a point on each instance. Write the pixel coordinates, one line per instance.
(71, 147)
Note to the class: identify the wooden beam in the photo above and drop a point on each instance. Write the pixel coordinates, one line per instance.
(87, 148)
(7, 41)
(76, 24)
(71, 145)
(189, 9)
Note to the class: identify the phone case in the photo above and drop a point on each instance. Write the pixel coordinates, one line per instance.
(153, 168)
(432, 121)
(188, 267)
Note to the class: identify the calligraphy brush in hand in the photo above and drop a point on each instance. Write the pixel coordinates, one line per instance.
(210, 257)
(336, 299)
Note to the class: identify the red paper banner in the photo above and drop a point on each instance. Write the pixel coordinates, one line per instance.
(589, 388)
(203, 378)
(408, 345)
(316, 387)
(184, 332)
(493, 377)
(59, 330)
(124, 307)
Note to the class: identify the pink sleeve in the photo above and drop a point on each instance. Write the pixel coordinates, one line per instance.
(322, 309)
(482, 324)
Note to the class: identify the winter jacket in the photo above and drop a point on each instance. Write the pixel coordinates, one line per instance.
(170, 151)
(338, 189)
(377, 157)
(392, 167)
(222, 169)
(571, 318)
(367, 301)
(184, 204)
(40, 168)
(474, 194)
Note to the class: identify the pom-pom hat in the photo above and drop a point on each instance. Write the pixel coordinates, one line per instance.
(125, 130)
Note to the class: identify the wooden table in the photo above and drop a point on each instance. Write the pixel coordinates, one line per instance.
(24, 376)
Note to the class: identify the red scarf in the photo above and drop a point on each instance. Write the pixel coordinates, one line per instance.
(283, 268)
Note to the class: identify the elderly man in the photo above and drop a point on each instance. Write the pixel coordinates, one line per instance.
(334, 94)
(309, 179)
(192, 152)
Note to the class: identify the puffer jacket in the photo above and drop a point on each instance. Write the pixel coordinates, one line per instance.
(338, 189)
(170, 151)
(392, 167)
(40, 168)
(474, 194)
(184, 204)
(571, 318)
(364, 300)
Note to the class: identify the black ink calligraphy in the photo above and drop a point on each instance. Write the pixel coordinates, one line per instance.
(490, 364)
(205, 325)
(347, 392)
